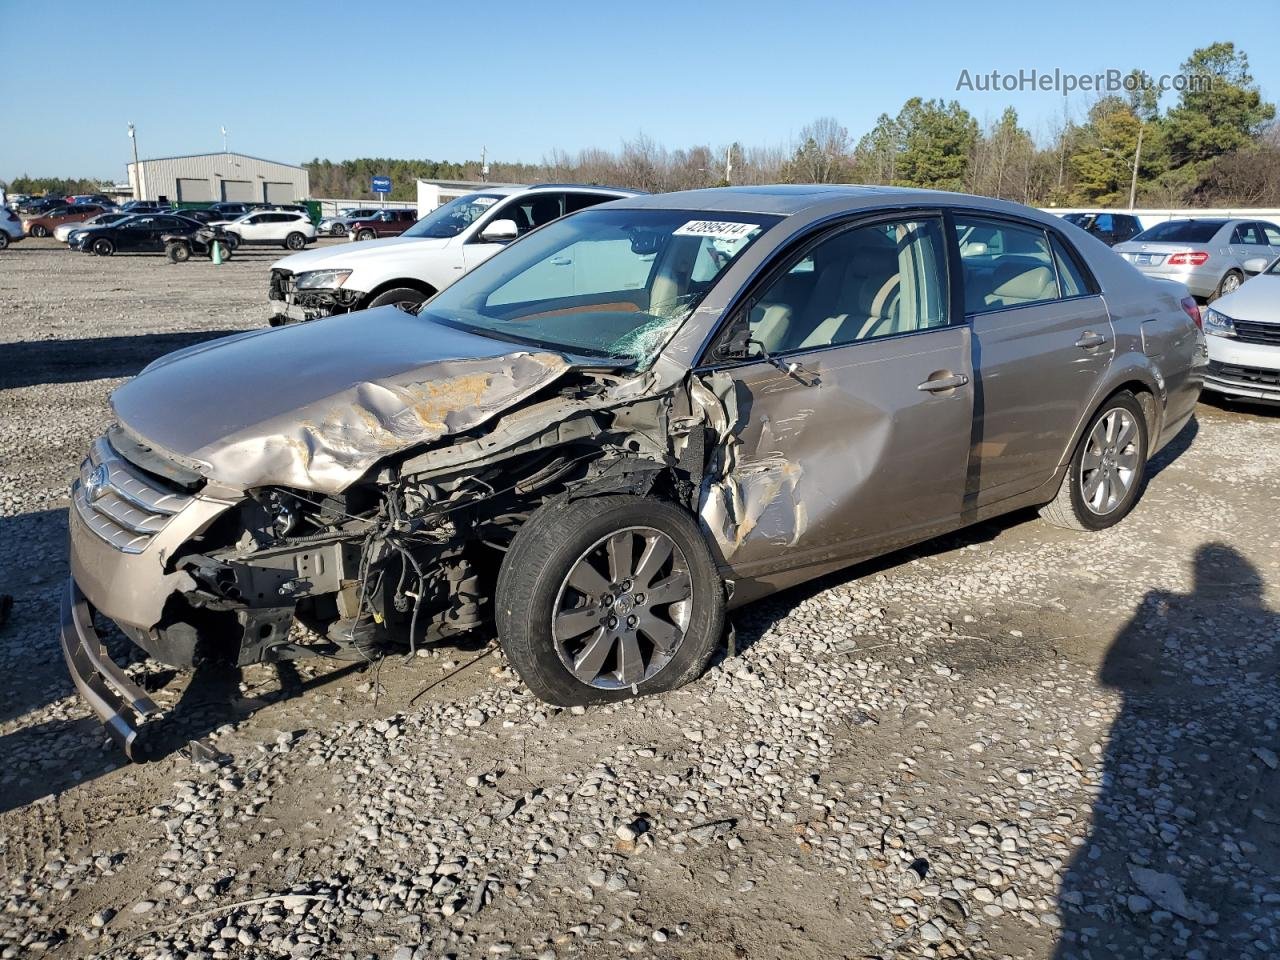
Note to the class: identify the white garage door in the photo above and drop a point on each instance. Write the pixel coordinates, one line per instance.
(278, 192)
(241, 190)
(194, 191)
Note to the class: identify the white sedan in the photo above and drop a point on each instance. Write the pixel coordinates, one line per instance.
(293, 231)
(1244, 338)
(63, 231)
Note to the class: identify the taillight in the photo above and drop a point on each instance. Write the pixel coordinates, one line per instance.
(1193, 259)
(1192, 310)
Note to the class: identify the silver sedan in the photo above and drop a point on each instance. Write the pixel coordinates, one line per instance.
(1209, 255)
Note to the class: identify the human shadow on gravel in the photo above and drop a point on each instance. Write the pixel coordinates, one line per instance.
(31, 362)
(1183, 855)
(54, 755)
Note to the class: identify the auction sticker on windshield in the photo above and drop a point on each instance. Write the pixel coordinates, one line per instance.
(716, 229)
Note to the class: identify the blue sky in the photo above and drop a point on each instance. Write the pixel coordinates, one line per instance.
(294, 80)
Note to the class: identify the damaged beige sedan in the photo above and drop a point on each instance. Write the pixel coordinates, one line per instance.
(626, 423)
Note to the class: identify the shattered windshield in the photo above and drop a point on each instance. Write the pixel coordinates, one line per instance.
(605, 282)
(454, 217)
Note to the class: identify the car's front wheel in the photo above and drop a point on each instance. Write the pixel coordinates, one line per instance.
(4, 240)
(608, 598)
(103, 247)
(406, 298)
(337, 230)
(1107, 470)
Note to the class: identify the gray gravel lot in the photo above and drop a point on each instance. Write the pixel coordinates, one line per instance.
(1013, 742)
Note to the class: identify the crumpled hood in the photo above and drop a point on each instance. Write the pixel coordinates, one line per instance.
(315, 405)
(341, 256)
(1257, 300)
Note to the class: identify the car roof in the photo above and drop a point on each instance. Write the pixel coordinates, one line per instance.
(786, 199)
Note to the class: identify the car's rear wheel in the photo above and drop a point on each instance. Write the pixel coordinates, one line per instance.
(103, 247)
(295, 241)
(178, 252)
(364, 235)
(1229, 284)
(4, 240)
(1107, 470)
(39, 230)
(406, 298)
(608, 598)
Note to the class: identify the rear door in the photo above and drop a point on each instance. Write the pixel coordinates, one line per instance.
(1248, 241)
(863, 445)
(1042, 343)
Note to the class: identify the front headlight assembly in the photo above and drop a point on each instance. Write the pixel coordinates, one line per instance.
(1218, 324)
(321, 279)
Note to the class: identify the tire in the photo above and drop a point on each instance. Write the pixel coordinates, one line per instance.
(103, 247)
(295, 241)
(4, 240)
(406, 298)
(226, 250)
(1229, 283)
(177, 252)
(364, 235)
(39, 230)
(1115, 495)
(233, 241)
(534, 584)
(337, 230)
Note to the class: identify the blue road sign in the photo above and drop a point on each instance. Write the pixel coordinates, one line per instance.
(381, 184)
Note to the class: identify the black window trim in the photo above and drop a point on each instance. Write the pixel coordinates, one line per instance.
(795, 250)
(1049, 231)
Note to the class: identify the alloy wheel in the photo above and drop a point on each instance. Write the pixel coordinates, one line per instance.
(1109, 466)
(623, 610)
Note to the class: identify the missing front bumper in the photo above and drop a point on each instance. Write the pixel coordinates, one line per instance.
(118, 702)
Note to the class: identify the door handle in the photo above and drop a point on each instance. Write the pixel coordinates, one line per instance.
(561, 261)
(943, 383)
(1090, 340)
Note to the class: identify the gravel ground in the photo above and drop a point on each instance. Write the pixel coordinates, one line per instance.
(1013, 742)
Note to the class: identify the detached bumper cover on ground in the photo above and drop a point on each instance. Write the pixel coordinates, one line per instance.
(119, 703)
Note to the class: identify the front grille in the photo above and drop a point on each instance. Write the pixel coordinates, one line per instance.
(1250, 332)
(1245, 376)
(120, 503)
(280, 285)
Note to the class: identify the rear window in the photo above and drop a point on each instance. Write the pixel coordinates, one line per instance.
(1182, 231)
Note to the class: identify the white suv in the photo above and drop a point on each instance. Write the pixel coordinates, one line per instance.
(291, 230)
(426, 258)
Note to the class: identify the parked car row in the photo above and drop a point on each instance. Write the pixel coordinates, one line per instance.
(606, 429)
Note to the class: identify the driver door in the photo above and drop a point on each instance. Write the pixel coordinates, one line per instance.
(528, 211)
(862, 446)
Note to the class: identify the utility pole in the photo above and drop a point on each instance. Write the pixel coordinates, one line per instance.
(224, 139)
(1137, 158)
(728, 163)
(484, 164)
(137, 167)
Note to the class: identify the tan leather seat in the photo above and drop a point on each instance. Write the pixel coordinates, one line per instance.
(1016, 284)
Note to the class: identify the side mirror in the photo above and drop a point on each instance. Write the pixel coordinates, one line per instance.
(500, 231)
(737, 345)
(1255, 264)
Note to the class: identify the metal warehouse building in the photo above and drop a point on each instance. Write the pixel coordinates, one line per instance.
(205, 177)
